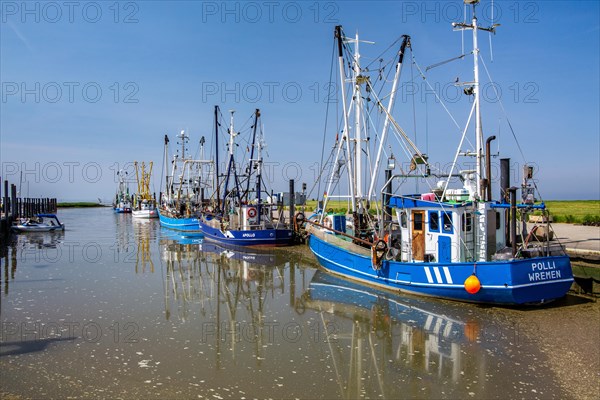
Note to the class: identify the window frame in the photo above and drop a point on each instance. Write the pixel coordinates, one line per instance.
(436, 218)
(447, 215)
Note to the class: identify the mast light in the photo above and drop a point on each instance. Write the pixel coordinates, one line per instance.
(391, 164)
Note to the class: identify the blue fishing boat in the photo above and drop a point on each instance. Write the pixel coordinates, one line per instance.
(453, 243)
(182, 200)
(241, 217)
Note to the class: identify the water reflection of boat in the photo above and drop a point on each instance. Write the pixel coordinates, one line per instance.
(266, 258)
(392, 337)
(226, 292)
(184, 283)
(145, 233)
(40, 240)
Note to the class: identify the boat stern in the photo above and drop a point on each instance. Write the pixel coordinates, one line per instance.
(541, 279)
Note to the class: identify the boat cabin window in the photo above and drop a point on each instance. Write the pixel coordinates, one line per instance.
(417, 221)
(434, 221)
(467, 222)
(447, 222)
(403, 220)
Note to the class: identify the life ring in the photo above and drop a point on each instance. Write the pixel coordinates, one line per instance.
(251, 212)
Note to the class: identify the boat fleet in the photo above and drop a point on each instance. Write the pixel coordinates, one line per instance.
(452, 240)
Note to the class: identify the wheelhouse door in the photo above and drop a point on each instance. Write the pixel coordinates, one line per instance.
(418, 235)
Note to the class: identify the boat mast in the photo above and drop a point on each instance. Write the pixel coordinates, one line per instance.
(200, 169)
(183, 137)
(386, 124)
(137, 178)
(217, 157)
(246, 194)
(259, 174)
(166, 168)
(231, 166)
(481, 234)
(259, 170)
(357, 98)
(478, 127)
(345, 136)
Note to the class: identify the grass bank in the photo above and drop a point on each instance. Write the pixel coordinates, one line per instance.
(585, 212)
(79, 204)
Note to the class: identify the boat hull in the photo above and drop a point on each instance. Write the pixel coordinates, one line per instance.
(521, 281)
(248, 238)
(188, 226)
(145, 213)
(24, 228)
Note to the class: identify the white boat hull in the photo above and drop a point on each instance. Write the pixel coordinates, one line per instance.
(145, 213)
(38, 228)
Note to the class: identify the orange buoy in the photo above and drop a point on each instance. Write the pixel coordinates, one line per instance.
(472, 284)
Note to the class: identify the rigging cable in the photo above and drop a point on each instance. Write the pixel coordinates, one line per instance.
(508, 122)
(412, 78)
(385, 51)
(439, 99)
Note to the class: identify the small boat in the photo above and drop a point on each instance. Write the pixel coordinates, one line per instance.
(185, 183)
(242, 217)
(454, 243)
(144, 203)
(145, 209)
(122, 203)
(40, 223)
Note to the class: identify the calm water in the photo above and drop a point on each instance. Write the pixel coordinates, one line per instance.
(115, 307)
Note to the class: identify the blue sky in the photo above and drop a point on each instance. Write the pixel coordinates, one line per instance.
(90, 87)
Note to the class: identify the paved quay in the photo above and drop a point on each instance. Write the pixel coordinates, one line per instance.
(581, 242)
